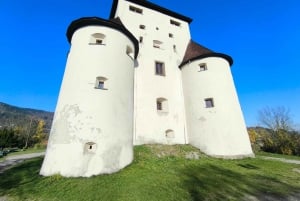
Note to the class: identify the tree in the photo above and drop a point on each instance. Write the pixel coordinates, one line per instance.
(279, 138)
(276, 118)
(40, 134)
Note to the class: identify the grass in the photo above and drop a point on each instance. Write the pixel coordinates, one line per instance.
(159, 173)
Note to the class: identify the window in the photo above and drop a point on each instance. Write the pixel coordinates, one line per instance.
(170, 133)
(100, 83)
(209, 102)
(142, 26)
(136, 10)
(160, 68)
(174, 48)
(90, 147)
(175, 23)
(129, 51)
(97, 39)
(202, 67)
(141, 39)
(171, 35)
(157, 44)
(162, 105)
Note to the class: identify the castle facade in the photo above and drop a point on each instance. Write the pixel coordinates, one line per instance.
(139, 78)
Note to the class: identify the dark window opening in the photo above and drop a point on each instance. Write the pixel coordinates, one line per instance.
(159, 68)
(209, 102)
(202, 67)
(136, 10)
(173, 22)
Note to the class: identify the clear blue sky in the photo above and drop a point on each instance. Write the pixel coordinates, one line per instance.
(262, 36)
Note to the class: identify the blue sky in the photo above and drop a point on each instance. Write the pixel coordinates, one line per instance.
(262, 36)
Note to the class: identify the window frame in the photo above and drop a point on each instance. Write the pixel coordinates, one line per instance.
(100, 83)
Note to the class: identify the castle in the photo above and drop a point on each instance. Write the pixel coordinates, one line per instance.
(139, 78)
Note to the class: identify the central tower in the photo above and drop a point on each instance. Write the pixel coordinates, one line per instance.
(163, 37)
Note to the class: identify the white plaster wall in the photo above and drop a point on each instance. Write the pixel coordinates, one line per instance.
(151, 125)
(85, 114)
(219, 131)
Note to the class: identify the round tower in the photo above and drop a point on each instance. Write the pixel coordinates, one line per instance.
(214, 118)
(93, 123)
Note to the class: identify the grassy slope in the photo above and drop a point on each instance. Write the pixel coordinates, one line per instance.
(158, 173)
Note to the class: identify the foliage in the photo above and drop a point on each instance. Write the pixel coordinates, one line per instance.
(160, 173)
(23, 137)
(279, 136)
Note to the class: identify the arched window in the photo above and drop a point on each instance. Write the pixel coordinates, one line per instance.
(97, 39)
(162, 105)
(170, 133)
(100, 82)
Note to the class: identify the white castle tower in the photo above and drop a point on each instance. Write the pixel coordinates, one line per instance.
(138, 78)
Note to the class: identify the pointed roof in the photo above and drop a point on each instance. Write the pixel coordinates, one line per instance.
(195, 51)
(152, 6)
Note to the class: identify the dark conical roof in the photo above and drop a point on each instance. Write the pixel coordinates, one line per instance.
(196, 51)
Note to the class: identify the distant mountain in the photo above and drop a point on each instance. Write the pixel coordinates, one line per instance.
(11, 116)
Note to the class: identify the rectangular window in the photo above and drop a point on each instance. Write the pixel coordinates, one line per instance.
(209, 102)
(136, 10)
(202, 67)
(159, 68)
(171, 35)
(141, 39)
(159, 105)
(142, 26)
(175, 23)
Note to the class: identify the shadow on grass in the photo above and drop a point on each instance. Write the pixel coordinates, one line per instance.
(211, 182)
(20, 175)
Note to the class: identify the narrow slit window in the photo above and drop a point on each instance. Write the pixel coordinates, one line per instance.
(136, 10)
(174, 48)
(202, 67)
(209, 103)
(141, 39)
(175, 23)
(160, 68)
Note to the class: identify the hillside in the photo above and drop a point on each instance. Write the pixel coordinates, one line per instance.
(16, 116)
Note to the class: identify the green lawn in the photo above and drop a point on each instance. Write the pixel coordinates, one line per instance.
(158, 173)
(20, 151)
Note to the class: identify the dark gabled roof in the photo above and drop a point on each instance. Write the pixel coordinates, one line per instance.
(112, 23)
(152, 6)
(195, 51)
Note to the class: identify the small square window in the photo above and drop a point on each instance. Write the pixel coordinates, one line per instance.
(136, 10)
(171, 35)
(159, 68)
(202, 67)
(209, 102)
(99, 41)
(175, 23)
(142, 26)
(100, 85)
